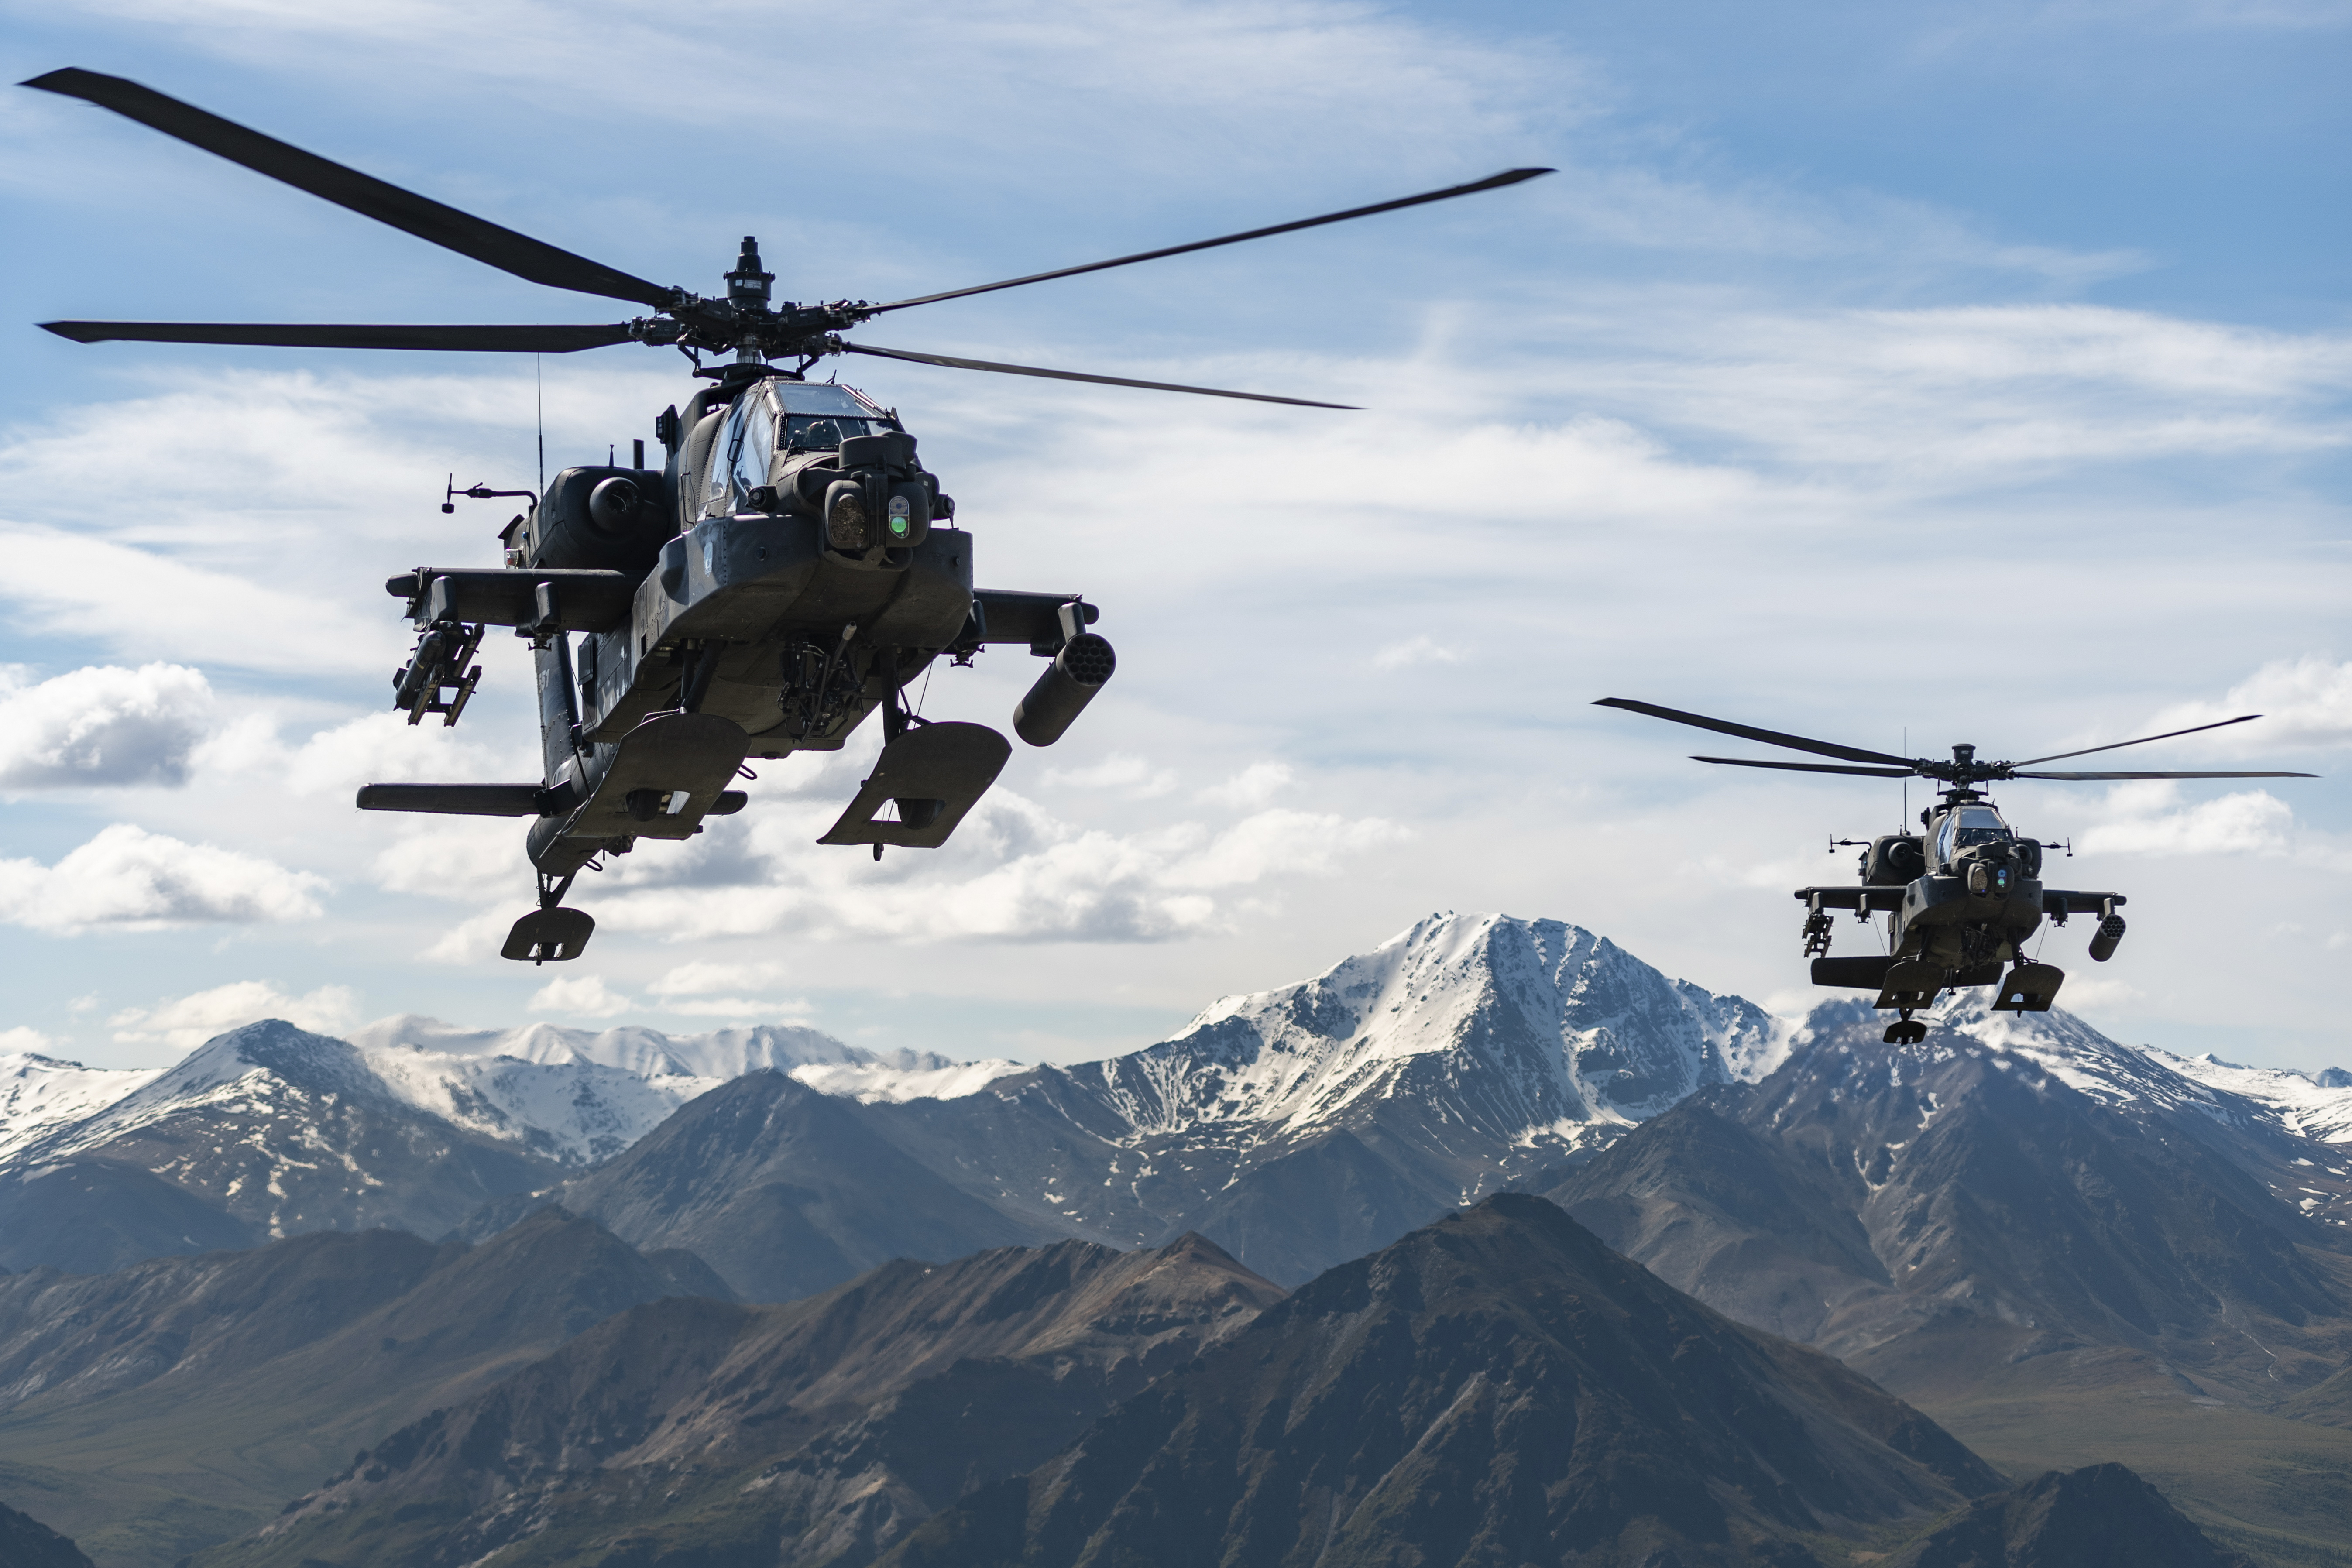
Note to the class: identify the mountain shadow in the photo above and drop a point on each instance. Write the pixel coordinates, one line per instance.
(161, 1408)
(27, 1543)
(88, 1216)
(1497, 1388)
(817, 1431)
(2101, 1516)
(784, 1190)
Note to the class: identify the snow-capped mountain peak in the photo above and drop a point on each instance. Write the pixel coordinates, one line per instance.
(38, 1093)
(573, 1095)
(680, 1067)
(1516, 1025)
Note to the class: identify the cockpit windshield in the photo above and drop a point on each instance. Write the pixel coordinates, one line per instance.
(818, 417)
(1967, 826)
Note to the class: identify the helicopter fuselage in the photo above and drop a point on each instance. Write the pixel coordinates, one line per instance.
(787, 572)
(1963, 899)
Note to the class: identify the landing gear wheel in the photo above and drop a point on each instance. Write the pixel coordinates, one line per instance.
(549, 933)
(548, 936)
(1905, 1031)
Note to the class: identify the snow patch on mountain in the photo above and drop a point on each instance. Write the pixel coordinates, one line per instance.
(2305, 1106)
(902, 1076)
(571, 1095)
(680, 1066)
(38, 1093)
(716, 1057)
(2071, 1052)
(1519, 1027)
(2056, 1044)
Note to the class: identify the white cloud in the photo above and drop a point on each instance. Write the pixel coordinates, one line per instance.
(2304, 702)
(466, 858)
(1129, 776)
(25, 1040)
(1958, 399)
(743, 1008)
(1253, 787)
(102, 725)
(189, 1021)
(386, 748)
(2093, 990)
(1420, 649)
(129, 878)
(2147, 819)
(1013, 873)
(143, 603)
(586, 996)
(1280, 842)
(700, 978)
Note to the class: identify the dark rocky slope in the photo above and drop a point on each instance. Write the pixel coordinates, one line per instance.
(784, 1190)
(2101, 1516)
(1498, 1387)
(813, 1432)
(91, 1213)
(1933, 1213)
(27, 1543)
(181, 1402)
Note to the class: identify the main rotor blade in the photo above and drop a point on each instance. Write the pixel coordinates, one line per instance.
(1770, 737)
(2143, 740)
(1491, 183)
(1809, 767)
(363, 194)
(2165, 775)
(953, 363)
(474, 339)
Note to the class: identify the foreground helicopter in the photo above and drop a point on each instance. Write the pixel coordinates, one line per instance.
(788, 569)
(1964, 893)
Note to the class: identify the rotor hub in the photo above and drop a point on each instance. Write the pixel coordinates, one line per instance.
(744, 320)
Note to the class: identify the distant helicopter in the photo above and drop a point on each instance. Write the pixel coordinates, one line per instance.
(1964, 893)
(788, 569)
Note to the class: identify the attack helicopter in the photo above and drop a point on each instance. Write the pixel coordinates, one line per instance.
(786, 570)
(1962, 895)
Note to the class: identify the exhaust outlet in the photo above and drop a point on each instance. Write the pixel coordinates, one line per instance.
(1062, 693)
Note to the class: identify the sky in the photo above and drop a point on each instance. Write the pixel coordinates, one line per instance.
(1874, 372)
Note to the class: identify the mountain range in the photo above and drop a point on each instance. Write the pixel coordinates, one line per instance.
(1498, 1379)
(1299, 1127)
(1935, 1210)
(156, 1408)
(2015, 1215)
(817, 1431)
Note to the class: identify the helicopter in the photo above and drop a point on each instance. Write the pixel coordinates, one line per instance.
(788, 569)
(1962, 895)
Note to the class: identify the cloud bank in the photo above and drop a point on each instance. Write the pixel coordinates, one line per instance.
(102, 725)
(129, 878)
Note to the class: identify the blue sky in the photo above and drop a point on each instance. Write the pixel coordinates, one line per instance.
(1864, 371)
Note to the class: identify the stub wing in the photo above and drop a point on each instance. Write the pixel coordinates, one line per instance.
(2055, 901)
(1871, 899)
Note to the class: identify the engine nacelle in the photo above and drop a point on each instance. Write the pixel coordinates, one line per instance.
(1892, 861)
(609, 519)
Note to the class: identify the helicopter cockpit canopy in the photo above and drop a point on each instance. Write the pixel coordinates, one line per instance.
(818, 416)
(1966, 826)
(815, 419)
